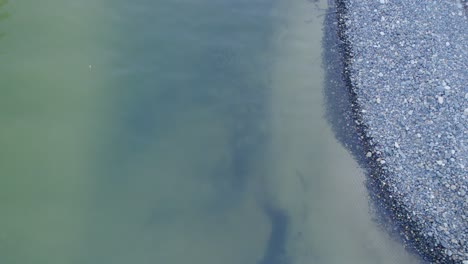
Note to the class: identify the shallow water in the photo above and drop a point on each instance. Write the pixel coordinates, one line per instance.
(174, 132)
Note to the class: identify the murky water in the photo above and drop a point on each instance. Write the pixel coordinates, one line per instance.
(174, 132)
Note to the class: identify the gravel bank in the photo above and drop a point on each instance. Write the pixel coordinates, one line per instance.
(405, 65)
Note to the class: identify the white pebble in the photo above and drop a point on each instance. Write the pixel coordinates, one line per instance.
(397, 145)
(440, 99)
(378, 100)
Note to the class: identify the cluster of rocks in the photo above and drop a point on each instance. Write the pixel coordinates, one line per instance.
(405, 65)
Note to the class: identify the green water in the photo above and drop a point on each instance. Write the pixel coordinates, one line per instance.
(173, 132)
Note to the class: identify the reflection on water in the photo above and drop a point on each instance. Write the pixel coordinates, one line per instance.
(174, 132)
(275, 250)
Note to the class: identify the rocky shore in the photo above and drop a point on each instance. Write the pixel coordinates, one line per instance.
(404, 66)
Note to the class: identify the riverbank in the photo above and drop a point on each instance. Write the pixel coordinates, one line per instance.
(408, 107)
(310, 175)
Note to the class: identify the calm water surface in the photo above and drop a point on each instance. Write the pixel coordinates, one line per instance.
(174, 131)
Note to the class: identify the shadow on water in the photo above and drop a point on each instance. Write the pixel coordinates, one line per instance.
(275, 252)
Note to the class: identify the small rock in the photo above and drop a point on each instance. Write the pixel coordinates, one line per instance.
(440, 99)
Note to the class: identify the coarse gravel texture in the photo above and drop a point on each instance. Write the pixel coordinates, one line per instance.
(405, 64)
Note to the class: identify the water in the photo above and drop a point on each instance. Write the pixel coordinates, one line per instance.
(174, 132)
